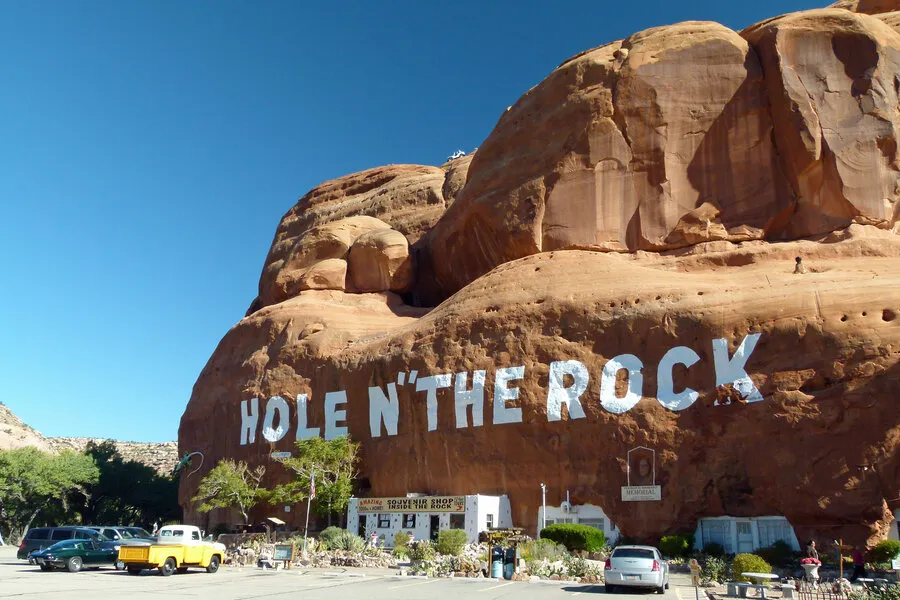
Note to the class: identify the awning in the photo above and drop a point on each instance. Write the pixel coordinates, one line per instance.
(275, 521)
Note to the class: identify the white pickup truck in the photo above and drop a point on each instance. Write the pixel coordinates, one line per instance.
(177, 548)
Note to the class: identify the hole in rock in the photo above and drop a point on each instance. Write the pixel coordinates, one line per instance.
(699, 293)
(864, 313)
(843, 318)
(888, 315)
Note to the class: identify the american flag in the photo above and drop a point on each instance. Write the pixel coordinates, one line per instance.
(312, 486)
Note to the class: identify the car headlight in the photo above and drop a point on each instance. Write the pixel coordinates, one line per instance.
(116, 548)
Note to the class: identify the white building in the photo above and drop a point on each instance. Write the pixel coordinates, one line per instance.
(425, 516)
(744, 534)
(583, 514)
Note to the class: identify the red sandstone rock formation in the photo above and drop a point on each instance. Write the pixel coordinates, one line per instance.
(650, 194)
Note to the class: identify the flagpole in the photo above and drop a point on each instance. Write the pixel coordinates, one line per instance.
(312, 494)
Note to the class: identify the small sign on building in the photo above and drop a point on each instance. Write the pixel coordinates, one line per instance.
(636, 493)
(280, 455)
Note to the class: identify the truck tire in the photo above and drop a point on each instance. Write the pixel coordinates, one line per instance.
(168, 567)
(213, 564)
(74, 564)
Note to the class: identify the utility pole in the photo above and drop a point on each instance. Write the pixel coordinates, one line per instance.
(543, 508)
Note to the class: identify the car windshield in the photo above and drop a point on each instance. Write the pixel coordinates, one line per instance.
(137, 532)
(171, 533)
(632, 553)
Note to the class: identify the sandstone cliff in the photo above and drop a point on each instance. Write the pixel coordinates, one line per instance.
(614, 267)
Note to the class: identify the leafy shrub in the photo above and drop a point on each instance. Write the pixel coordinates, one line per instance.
(219, 529)
(678, 545)
(329, 538)
(348, 541)
(423, 550)
(451, 542)
(401, 538)
(714, 549)
(536, 550)
(575, 537)
(884, 551)
(779, 554)
(401, 552)
(712, 569)
(748, 562)
(577, 566)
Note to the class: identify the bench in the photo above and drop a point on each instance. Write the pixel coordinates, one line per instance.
(738, 589)
(787, 591)
(761, 589)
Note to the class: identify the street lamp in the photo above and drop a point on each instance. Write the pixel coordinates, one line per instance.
(543, 508)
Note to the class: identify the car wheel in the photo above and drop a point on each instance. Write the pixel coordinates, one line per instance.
(213, 564)
(661, 589)
(74, 564)
(167, 567)
(667, 585)
(119, 565)
(45, 567)
(610, 589)
(134, 571)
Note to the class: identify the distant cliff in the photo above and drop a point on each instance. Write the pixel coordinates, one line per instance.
(161, 456)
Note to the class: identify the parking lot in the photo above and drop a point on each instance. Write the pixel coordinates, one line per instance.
(20, 580)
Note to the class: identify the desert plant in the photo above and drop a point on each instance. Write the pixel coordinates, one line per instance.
(748, 562)
(575, 537)
(712, 569)
(884, 551)
(714, 549)
(451, 542)
(678, 545)
(401, 538)
(349, 541)
(423, 550)
(329, 538)
(577, 566)
(401, 552)
(536, 550)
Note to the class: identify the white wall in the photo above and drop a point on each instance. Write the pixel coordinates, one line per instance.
(475, 520)
(580, 513)
(731, 537)
(893, 534)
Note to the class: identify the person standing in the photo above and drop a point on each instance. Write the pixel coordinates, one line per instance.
(859, 564)
(811, 551)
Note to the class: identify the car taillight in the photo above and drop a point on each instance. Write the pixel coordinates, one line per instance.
(608, 564)
(655, 566)
(22, 545)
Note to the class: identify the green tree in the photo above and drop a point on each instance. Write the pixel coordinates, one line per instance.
(334, 464)
(232, 485)
(128, 492)
(32, 482)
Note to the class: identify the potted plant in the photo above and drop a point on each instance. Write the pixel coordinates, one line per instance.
(811, 566)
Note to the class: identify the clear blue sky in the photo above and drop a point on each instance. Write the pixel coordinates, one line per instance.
(149, 148)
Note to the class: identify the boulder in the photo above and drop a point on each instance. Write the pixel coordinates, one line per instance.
(380, 262)
(871, 7)
(831, 78)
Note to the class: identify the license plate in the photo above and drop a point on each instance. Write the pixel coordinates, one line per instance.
(632, 578)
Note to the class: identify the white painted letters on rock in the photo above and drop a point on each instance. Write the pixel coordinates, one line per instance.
(464, 397)
(665, 386)
(558, 394)
(608, 399)
(383, 409)
(731, 370)
(502, 393)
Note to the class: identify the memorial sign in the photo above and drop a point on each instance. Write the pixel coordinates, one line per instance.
(636, 493)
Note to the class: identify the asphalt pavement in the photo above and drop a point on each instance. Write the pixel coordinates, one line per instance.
(20, 580)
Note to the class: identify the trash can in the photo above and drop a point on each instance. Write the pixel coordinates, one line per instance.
(509, 563)
(496, 562)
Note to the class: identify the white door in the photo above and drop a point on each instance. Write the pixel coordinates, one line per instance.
(744, 536)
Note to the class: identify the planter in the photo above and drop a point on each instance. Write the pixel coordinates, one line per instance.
(812, 573)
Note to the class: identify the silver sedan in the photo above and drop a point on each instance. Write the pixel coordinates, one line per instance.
(636, 566)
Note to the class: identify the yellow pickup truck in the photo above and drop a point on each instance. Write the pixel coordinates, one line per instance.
(178, 547)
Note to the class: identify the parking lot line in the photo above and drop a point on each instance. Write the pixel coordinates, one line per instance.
(397, 587)
(494, 587)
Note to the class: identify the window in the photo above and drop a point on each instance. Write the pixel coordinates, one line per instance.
(409, 520)
(549, 522)
(61, 534)
(81, 534)
(632, 553)
(717, 531)
(743, 528)
(595, 523)
(457, 521)
(490, 521)
(384, 521)
(39, 533)
(195, 535)
(773, 530)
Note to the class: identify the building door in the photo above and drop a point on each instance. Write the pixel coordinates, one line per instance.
(435, 527)
(744, 536)
(361, 527)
